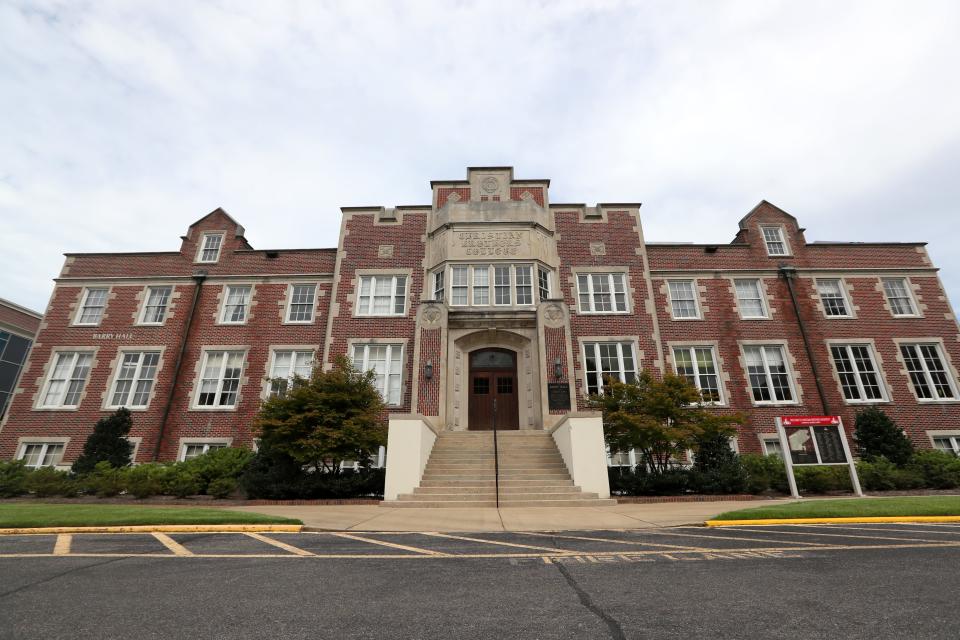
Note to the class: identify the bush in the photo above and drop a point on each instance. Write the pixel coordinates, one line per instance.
(222, 487)
(182, 483)
(642, 482)
(105, 481)
(146, 480)
(273, 475)
(939, 469)
(822, 479)
(13, 479)
(108, 443)
(47, 481)
(878, 436)
(227, 462)
(883, 475)
(764, 473)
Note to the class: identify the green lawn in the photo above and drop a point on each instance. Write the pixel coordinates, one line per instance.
(853, 507)
(95, 515)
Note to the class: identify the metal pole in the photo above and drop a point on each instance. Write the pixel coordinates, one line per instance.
(854, 480)
(787, 459)
(496, 456)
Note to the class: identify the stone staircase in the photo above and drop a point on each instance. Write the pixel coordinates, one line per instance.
(461, 473)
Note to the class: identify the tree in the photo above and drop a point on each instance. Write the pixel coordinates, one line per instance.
(879, 436)
(107, 443)
(661, 419)
(334, 416)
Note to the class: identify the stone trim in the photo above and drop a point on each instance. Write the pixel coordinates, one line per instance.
(222, 303)
(877, 360)
(114, 369)
(271, 353)
(769, 302)
(40, 383)
(198, 373)
(845, 287)
(723, 376)
(404, 358)
(792, 372)
(284, 303)
(353, 297)
(142, 296)
(947, 361)
(183, 442)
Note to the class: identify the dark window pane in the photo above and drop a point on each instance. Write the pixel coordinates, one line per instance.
(8, 375)
(16, 350)
(481, 386)
(504, 385)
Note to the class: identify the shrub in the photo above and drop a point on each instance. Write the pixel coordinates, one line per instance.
(272, 475)
(227, 462)
(148, 479)
(222, 487)
(883, 475)
(822, 479)
(13, 479)
(731, 478)
(344, 484)
(108, 443)
(939, 469)
(878, 436)
(764, 473)
(642, 482)
(105, 481)
(182, 483)
(47, 481)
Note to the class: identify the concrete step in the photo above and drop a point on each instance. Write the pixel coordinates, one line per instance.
(491, 482)
(573, 502)
(453, 489)
(428, 504)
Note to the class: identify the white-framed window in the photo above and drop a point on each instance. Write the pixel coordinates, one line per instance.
(602, 292)
(524, 273)
(438, 288)
(543, 283)
(608, 360)
(236, 304)
(459, 285)
(622, 458)
(501, 284)
(220, 378)
(155, 306)
(898, 295)
(386, 362)
(481, 287)
(950, 444)
(288, 365)
(191, 450)
(67, 378)
(771, 446)
(41, 454)
(928, 373)
(135, 378)
(859, 376)
(210, 247)
(683, 300)
(774, 241)
(377, 461)
(750, 298)
(92, 304)
(384, 295)
(768, 374)
(698, 364)
(833, 298)
(302, 299)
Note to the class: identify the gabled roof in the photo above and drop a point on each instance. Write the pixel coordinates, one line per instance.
(764, 203)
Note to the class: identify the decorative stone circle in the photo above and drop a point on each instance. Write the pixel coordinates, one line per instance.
(490, 184)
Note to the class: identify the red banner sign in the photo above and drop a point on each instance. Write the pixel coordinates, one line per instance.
(810, 421)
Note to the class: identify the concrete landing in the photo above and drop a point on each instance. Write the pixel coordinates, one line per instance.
(621, 516)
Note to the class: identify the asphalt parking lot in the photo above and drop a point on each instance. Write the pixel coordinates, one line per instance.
(849, 581)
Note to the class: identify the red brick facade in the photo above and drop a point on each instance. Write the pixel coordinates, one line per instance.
(413, 244)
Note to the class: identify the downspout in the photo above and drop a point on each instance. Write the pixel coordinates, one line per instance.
(198, 278)
(789, 273)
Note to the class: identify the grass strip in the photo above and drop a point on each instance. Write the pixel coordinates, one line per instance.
(852, 507)
(95, 515)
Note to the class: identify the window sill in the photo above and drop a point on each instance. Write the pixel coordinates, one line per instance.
(685, 319)
(130, 409)
(298, 322)
(774, 404)
(938, 401)
(755, 317)
(603, 313)
(231, 324)
(149, 324)
(865, 402)
(74, 408)
(217, 408)
(85, 324)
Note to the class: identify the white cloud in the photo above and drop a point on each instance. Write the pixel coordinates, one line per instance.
(124, 122)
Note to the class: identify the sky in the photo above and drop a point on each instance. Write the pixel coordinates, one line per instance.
(123, 122)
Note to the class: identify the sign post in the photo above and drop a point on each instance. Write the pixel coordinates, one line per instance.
(815, 440)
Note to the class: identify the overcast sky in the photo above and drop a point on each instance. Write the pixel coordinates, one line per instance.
(123, 122)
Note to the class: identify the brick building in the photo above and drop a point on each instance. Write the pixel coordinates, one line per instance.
(18, 326)
(488, 305)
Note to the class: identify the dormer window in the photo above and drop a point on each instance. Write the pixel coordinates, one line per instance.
(776, 244)
(210, 247)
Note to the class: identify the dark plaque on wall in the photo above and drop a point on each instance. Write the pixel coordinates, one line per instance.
(558, 395)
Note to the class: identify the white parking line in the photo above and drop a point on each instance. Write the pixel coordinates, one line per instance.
(384, 543)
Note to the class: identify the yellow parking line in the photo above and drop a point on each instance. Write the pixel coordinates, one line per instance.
(713, 537)
(649, 544)
(175, 547)
(504, 544)
(393, 545)
(62, 547)
(281, 545)
(844, 520)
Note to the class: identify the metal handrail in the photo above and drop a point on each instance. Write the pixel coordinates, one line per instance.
(496, 456)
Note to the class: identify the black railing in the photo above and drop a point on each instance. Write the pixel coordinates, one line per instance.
(496, 456)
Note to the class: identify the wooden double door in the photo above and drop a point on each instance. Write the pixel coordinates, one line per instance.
(493, 390)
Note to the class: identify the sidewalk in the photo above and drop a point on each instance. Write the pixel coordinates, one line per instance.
(622, 516)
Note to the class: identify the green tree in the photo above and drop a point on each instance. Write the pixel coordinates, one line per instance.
(878, 436)
(107, 443)
(334, 416)
(661, 419)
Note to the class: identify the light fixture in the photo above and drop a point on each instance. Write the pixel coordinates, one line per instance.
(428, 370)
(557, 369)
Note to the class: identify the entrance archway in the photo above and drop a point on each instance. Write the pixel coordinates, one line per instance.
(493, 390)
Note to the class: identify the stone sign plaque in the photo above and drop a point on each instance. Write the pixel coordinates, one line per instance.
(558, 395)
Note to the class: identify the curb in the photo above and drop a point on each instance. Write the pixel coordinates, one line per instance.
(850, 520)
(161, 528)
